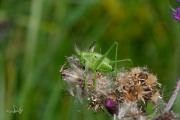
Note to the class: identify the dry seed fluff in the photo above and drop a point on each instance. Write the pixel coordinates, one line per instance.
(119, 95)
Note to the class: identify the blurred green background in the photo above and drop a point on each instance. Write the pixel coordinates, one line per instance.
(36, 36)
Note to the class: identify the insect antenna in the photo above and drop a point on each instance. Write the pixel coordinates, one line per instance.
(91, 48)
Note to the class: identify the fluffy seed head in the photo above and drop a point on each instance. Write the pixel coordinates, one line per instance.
(130, 96)
(135, 71)
(118, 94)
(138, 89)
(137, 85)
(155, 96)
(151, 79)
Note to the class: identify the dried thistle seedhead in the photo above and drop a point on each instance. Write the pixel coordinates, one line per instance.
(151, 79)
(128, 111)
(136, 71)
(76, 74)
(122, 80)
(137, 85)
(96, 103)
(130, 96)
(118, 94)
(155, 96)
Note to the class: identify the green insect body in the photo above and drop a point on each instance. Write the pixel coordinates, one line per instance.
(90, 59)
(97, 62)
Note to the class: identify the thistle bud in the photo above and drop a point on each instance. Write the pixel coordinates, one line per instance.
(111, 106)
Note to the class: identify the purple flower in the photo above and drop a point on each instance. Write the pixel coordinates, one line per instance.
(109, 103)
(175, 13)
(111, 106)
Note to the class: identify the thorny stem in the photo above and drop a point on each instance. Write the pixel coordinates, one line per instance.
(173, 97)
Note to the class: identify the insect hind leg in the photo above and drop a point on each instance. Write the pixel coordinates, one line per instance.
(124, 60)
(101, 59)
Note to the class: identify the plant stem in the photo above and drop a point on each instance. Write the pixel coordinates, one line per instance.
(173, 97)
